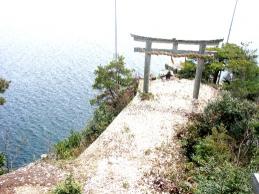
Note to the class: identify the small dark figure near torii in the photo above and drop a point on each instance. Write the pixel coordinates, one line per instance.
(167, 75)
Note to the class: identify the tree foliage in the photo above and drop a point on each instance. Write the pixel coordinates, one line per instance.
(238, 60)
(116, 87)
(64, 149)
(188, 70)
(241, 61)
(114, 82)
(2, 163)
(3, 87)
(221, 146)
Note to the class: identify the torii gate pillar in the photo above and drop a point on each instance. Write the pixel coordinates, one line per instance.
(147, 67)
(175, 52)
(199, 70)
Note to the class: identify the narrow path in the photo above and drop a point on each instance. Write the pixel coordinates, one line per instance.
(122, 157)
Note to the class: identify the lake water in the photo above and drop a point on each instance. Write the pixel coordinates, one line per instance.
(49, 92)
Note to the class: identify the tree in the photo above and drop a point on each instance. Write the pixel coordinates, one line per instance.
(241, 61)
(116, 85)
(225, 54)
(3, 86)
(188, 69)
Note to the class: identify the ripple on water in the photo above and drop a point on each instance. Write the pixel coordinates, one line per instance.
(49, 95)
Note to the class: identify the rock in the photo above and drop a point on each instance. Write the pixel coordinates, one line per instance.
(43, 156)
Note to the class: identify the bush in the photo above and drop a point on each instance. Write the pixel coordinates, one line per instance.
(244, 89)
(188, 70)
(3, 86)
(225, 178)
(222, 147)
(146, 96)
(64, 148)
(243, 64)
(117, 87)
(234, 114)
(69, 186)
(103, 116)
(216, 145)
(2, 163)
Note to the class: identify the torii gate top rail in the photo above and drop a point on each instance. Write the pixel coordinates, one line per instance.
(201, 54)
(174, 40)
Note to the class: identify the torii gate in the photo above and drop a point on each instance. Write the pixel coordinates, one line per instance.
(200, 55)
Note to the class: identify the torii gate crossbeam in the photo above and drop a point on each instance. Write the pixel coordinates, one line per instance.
(201, 54)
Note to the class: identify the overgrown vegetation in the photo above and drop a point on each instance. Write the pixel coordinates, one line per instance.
(241, 61)
(3, 87)
(69, 186)
(238, 60)
(146, 96)
(222, 147)
(68, 147)
(188, 70)
(117, 87)
(2, 163)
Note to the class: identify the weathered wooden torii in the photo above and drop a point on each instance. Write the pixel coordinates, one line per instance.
(174, 52)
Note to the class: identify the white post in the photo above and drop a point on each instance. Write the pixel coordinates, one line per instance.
(116, 38)
(230, 27)
(198, 75)
(147, 67)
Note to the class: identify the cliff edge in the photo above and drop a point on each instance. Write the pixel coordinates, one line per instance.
(127, 157)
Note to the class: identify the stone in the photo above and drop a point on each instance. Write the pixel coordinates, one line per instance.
(43, 156)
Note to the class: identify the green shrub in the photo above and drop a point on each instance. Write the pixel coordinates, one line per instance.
(225, 178)
(64, 148)
(221, 145)
(146, 96)
(3, 86)
(74, 139)
(103, 116)
(2, 163)
(234, 114)
(216, 145)
(116, 84)
(69, 186)
(117, 87)
(243, 64)
(244, 89)
(211, 71)
(188, 70)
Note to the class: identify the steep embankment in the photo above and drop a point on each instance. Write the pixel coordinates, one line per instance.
(125, 157)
